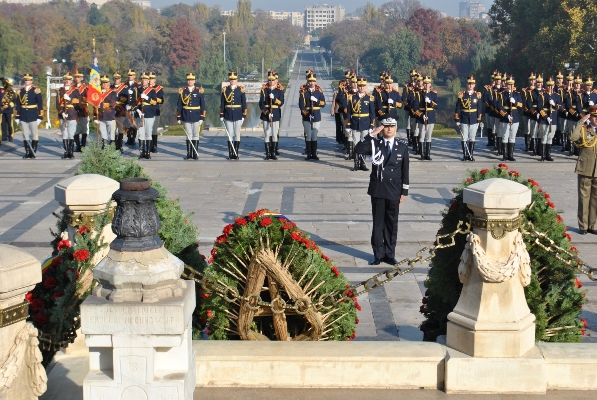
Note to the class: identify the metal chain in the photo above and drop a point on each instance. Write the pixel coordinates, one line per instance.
(49, 342)
(551, 247)
(210, 284)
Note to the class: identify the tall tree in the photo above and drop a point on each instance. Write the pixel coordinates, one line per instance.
(185, 45)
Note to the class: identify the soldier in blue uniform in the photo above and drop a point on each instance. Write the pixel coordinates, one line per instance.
(105, 114)
(532, 106)
(424, 105)
(122, 122)
(128, 97)
(573, 105)
(526, 114)
(548, 104)
(589, 97)
(159, 92)
(488, 99)
(388, 100)
(388, 187)
(68, 99)
(507, 105)
(360, 119)
(233, 110)
(311, 101)
(271, 100)
(377, 92)
(467, 116)
(415, 97)
(29, 114)
(559, 89)
(144, 112)
(337, 111)
(83, 113)
(190, 111)
(408, 88)
(7, 104)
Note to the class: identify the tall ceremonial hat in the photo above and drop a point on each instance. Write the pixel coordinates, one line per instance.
(312, 77)
(190, 76)
(388, 120)
(78, 74)
(347, 75)
(570, 76)
(498, 76)
(276, 75)
(27, 77)
(105, 79)
(539, 78)
(589, 82)
(388, 78)
(532, 76)
(413, 73)
(510, 81)
(419, 78)
(362, 81)
(382, 76)
(495, 74)
(550, 82)
(560, 75)
(308, 72)
(67, 76)
(117, 75)
(131, 72)
(426, 79)
(504, 77)
(152, 75)
(232, 75)
(271, 75)
(144, 75)
(578, 79)
(471, 79)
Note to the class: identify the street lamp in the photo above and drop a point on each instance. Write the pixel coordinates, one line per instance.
(224, 32)
(118, 60)
(48, 77)
(571, 66)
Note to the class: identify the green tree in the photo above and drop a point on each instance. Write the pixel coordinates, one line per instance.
(95, 16)
(15, 53)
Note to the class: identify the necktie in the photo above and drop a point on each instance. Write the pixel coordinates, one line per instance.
(389, 148)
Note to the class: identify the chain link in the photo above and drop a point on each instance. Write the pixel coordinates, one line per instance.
(572, 259)
(49, 342)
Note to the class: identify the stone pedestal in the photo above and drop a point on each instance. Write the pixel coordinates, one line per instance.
(137, 322)
(22, 376)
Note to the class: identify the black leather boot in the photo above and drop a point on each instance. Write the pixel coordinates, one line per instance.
(464, 154)
(267, 149)
(34, 145)
(540, 147)
(141, 149)
(195, 149)
(230, 152)
(535, 144)
(276, 152)
(548, 151)
(103, 144)
(27, 150)
(77, 143)
(557, 139)
(526, 142)
(543, 153)
(118, 141)
(503, 151)
(154, 143)
(362, 164)
(65, 145)
(511, 152)
(272, 150)
(71, 148)
(408, 137)
(422, 148)
(314, 150)
(83, 140)
(428, 151)
(237, 148)
(471, 148)
(188, 156)
(532, 145)
(308, 151)
(147, 149)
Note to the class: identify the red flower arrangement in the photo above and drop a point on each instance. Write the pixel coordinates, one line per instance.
(296, 236)
(80, 255)
(63, 244)
(265, 222)
(356, 321)
(573, 249)
(356, 303)
(533, 182)
(335, 271)
(325, 257)
(484, 171)
(50, 282)
(547, 196)
(577, 283)
(559, 218)
(514, 173)
(41, 319)
(227, 229)
(36, 304)
(504, 166)
(551, 204)
(470, 180)
(567, 236)
(584, 322)
(82, 230)
(240, 221)
(221, 239)
(210, 314)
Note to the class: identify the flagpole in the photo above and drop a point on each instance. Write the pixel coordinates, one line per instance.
(97, 130)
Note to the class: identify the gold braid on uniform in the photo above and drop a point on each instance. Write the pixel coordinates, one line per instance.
(356, 107)
(466, 104)
(185, 99)
(227, 99)
(584, 142)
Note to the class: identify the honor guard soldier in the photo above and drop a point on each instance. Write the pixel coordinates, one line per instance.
(361, 119)
(29, 114)
(311, 101)
(105, 115)
(467, 116)
(408, 88)
(584, 138)
(498, 133)
(145, 115)
(128, 97)
(560, 88)
(388, 100)
(337, 110)
(159, 92)
(190, 111)
(388, 187)
(121, 120)
(271, 100)
(424, 106)
(488, 99)
(377, 92)
(532, 107)
(68, 99)
(233, 110)
(353, 88)
(548, 104)
(574, 107)
(589, 96)
(507, 105)
(527, 115)
(82, 112)
(568, 126)
(7, 104)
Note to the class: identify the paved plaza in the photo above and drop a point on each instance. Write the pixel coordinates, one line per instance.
(327, 199)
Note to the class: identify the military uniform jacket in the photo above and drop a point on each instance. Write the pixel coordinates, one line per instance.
(585, 101)
(159, 92)
(573, 105)
(361, 112)
(121, 99)
(382, 106)
(488, 99)
(106, 110)
(505, 108)
(314, 109)
(406, 93)
(526, 94)
(147, 106)
(389, 180)
(468, 108)
(68, 106)
(547, 110)
(267, 105)
(562, 91)
(584, 138)
(6, 106)
(233, 103)
(29, 104)
(419, 108)
(128, 94)
(190, 106)
(82, 108)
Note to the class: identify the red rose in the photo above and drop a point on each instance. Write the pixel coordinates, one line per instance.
(287, 227)
(207, 331)
(325, 257)
(41, 319)
(228, 228)
(36, 304)
(470, 180)
(356, 321)
(210, 314)
(265, 222)
(582, 331)
(29, 297)
(221, 239)
(573, 249)
(504, 166)
(584, 322)
(57, 294)
(251, 216)
(546, 195)
(559, 218)
(295, 236)
(80, 255)
(533, 182)
(260, 212)
(63, 244)
(335, 271)
(211, 259)
(577, 283)
(50, 282)
(514, 173)
(57, 261)
(550, 204)
(82, 230)
(539, 191)
(203, 257)
(354, 335)
(356, 303)
(567, 236)
(484, 171)
(240, 221)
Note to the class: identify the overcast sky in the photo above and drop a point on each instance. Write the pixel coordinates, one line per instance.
(448, 6)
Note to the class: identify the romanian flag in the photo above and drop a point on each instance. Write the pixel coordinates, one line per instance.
(94, 90)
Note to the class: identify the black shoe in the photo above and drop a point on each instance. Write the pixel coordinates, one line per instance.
(375, 261)
(391, 261)
(592, 231)
(582, 232)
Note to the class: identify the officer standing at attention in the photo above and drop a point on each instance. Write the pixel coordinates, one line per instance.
(361, 117)
(105, 114)
(388, 187)
(190, 112)
(425, 111)
(389, 100)
(560, 89)
(467, 116)
(271, 100)
(68, 98)
(159, 92)
(409, 87)
(29, 114)
(7, 99)
(527, 115)
(311, 101)
(128, 97)
(233, 110)
(145, 113)
(83, 113)
(549, 104)
(585, 139)
(507, 104)
(122, 123)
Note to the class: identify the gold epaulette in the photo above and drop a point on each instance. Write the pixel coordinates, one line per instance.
(317, 87)
(201, 90)
(371, 97)
(242, 88)
(264, 86)
(479, 94)
(460, 95)
(279, 87)
(433, 91)
(181, 90)
(37, 90)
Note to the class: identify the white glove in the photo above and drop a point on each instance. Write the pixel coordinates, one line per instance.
(548, 120)
(144, 96)
(591, 103)
(538, 116)
(38, 121)
(66, 97)
(270, 115)
(566, 113)
(65, 115)
(370, 131)
(390, 101)
(139, 113)
(509, 118)
(271, 96)
(200, 122)
(425, 118)
(222, 119)
(457, 123)
(178, 121)
(313, 98)
(348, 130)
(242, 120)
(512, 100)
(130, 91)
(128, 107)
(18, 121)
(95, 121)
(427, 99)
(553, 103)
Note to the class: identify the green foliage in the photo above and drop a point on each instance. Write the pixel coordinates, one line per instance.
(553, 294)
(254, 231)
(179, 78)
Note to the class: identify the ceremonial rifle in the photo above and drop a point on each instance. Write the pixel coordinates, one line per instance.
(510, 101)
(426, 116)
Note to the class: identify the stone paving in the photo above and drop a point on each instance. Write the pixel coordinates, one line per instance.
(326, 198)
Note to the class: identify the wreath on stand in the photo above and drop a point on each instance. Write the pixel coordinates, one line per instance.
(264, 255)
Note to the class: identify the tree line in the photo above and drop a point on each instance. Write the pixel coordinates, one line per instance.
(171, 42)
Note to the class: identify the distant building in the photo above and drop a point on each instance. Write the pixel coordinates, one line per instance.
(470, 9)
(320, 16)
(296, 18)
(140, 3)
(228, 13)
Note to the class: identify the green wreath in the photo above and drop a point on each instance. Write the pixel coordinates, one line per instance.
(265, 255)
